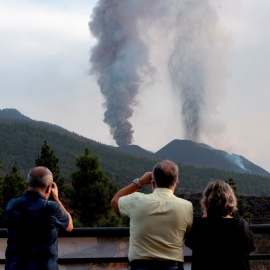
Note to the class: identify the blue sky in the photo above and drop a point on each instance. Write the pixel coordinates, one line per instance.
(44, 73)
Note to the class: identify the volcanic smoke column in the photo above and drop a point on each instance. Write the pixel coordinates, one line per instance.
(192, 59)
(116, 60)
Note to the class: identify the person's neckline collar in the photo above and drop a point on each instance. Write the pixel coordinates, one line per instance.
(34, 194)
(163, 190)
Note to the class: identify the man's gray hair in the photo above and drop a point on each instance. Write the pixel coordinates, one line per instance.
(39, 177)
(165, 174)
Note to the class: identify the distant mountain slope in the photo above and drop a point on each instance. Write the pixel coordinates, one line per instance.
(136, 150)
(21, 141)
(201, 155)
(12, 114)
(188, 152)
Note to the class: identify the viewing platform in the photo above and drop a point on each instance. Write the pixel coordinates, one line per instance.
(107, 248)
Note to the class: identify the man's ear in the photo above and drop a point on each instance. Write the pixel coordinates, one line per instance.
(175, 185)
(48, 189)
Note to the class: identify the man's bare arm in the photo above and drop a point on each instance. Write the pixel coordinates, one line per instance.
(56, 199)
(131, 188)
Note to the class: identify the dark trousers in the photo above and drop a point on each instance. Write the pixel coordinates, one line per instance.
(155, 265)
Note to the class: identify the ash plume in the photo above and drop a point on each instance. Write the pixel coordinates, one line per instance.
(118, 60)
(195, 57)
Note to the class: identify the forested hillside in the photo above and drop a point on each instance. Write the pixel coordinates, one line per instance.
(21, 142)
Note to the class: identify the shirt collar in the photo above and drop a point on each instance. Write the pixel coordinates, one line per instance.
(34, 194)
(163, 190)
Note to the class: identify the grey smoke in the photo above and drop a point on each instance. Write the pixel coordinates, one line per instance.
(117, 59)
(194, 47)
(120, 59)
(236, 159)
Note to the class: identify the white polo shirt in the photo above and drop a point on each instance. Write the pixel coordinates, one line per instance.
(158, 223)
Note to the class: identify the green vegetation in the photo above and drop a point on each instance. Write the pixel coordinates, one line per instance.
(11, 185)
(243, 208)
(88, 182)
(88, 198)
(194, 180)
(255, 209)
(20, 142)
(48, 159)
(92, 193)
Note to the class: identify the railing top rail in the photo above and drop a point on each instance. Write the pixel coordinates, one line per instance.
(124, 231)
(87, 232)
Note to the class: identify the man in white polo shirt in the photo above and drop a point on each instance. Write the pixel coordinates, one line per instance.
(158, 221)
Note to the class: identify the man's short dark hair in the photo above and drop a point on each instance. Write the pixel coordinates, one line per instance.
(165, 174)
(39, 177)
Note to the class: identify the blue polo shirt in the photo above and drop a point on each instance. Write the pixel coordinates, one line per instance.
(32, 225)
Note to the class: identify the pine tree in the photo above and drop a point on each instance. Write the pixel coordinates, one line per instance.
(92, 193)
(48, 159)
(13, 186)
(1, 183)
(1, 171)
(243, 208)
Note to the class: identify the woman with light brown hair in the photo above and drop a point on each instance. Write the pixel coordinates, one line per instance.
(217, 240)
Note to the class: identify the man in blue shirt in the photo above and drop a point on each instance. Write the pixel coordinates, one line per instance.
(33, 222)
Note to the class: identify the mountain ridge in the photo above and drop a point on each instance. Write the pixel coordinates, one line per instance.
(21, 141)
(180, 151)
(10, 113)
(202, 155)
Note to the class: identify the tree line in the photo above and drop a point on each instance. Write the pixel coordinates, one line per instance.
(87, 197)
(20, 142)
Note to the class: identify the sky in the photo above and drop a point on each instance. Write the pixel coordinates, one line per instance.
(45, 74)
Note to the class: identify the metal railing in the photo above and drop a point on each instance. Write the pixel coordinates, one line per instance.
(122, 233)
